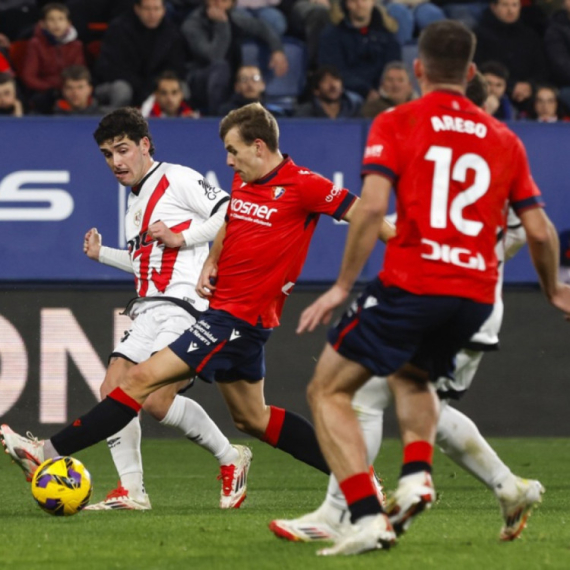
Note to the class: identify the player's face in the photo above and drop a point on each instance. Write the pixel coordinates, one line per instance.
(128, 161)
(150, 13)
(7, 95)
(169, 96)
(244, 159)
(496, 85)
(249, 82)
(508, 11)
(56, 23)
(545, 104)
(397, 86)
(77, 93)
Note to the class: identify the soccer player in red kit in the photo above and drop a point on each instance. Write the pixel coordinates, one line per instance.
(252, 267)
(455, 170)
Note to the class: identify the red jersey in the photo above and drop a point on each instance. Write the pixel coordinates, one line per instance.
(270, 223)
(454, 169)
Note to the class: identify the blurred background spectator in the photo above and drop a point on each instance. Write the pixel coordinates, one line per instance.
(557, 44)
(360, 46)
(76, 93)
(10, 105)
(498, 103)
(265, 10)
(168, 99)
(395, 88)
(546, 106)
(330, 100)
(53, 48)
(249, 87)
(503, 37)
(214, 33)
(91, 17)
(138, 46)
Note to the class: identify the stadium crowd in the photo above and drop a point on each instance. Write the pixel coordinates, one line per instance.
(185, 58)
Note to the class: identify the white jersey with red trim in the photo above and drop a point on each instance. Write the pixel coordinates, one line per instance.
(178, 196)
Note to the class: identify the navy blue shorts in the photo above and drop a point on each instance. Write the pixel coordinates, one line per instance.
(387, 327)
(222, 348)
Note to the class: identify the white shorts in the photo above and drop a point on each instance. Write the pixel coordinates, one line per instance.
(153, 329)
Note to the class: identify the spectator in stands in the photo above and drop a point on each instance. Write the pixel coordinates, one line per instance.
(265, 10)
(360, 46)
(503, 37)
(546, 107)
(76, 93)
(395, 88)
(53, 48)
(498, 103)
(10, 105)
(249, 87)
(138, 46)
(168, 99)
(557, 43)
(214, 34)
(90, 17)
(330, 100)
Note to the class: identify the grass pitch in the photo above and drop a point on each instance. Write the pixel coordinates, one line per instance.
(187, 530)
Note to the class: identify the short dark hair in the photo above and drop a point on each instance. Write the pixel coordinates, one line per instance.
(477, 89)
(76, 73)
(124, 122)
(7, 78)
(495, 68)
(167, 76)
(446, 49)
(55, 6)
(322, 72)
(253, 122)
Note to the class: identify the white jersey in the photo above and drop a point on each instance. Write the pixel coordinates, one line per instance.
(178, 196)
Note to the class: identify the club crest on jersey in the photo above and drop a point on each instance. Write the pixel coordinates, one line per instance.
(138, 218)
(278, 191)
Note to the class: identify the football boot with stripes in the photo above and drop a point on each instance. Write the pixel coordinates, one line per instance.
(26, 452)
(234, 479)
(120, 500)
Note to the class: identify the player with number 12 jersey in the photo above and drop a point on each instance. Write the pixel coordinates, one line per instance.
(445, 239)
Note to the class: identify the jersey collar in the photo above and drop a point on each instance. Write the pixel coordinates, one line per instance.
(274, 172)
(136, 189)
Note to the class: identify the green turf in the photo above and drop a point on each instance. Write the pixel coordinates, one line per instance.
(186, 529)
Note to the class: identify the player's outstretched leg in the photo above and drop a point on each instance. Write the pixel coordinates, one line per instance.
(459, 438)
(332, 518)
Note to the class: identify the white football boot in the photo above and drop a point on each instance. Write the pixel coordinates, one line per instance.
(27, 452)
(234, 479)
(415, 494)
(516, 506)
(120, 500)
(369, 533)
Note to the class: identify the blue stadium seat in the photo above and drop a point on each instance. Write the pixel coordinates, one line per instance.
(409, 53)
(280, 90)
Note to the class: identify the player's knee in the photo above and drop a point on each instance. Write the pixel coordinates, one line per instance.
(137, 379)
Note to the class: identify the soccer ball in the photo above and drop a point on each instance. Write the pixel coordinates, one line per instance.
(62, 486)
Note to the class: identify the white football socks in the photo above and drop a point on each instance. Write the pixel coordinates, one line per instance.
(459, 438)
(125, 447)
(193, 421)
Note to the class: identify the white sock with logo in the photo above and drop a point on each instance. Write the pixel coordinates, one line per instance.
(125, 447)
(193, 421)
(459, 438)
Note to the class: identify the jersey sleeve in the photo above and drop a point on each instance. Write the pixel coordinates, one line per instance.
(198, 195)
(321, 196)
(380, 153)
(524, 193)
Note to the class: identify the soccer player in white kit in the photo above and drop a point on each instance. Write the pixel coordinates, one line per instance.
(172, 214)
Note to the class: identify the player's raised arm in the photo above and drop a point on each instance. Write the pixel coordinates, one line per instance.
(94, 249)
(207, 281)
(366, 224)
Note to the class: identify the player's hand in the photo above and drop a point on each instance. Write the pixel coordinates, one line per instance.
(278, 63)
(92, 244)
(561, 299)
(207, 281)
(161, 233)
(322, 309)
